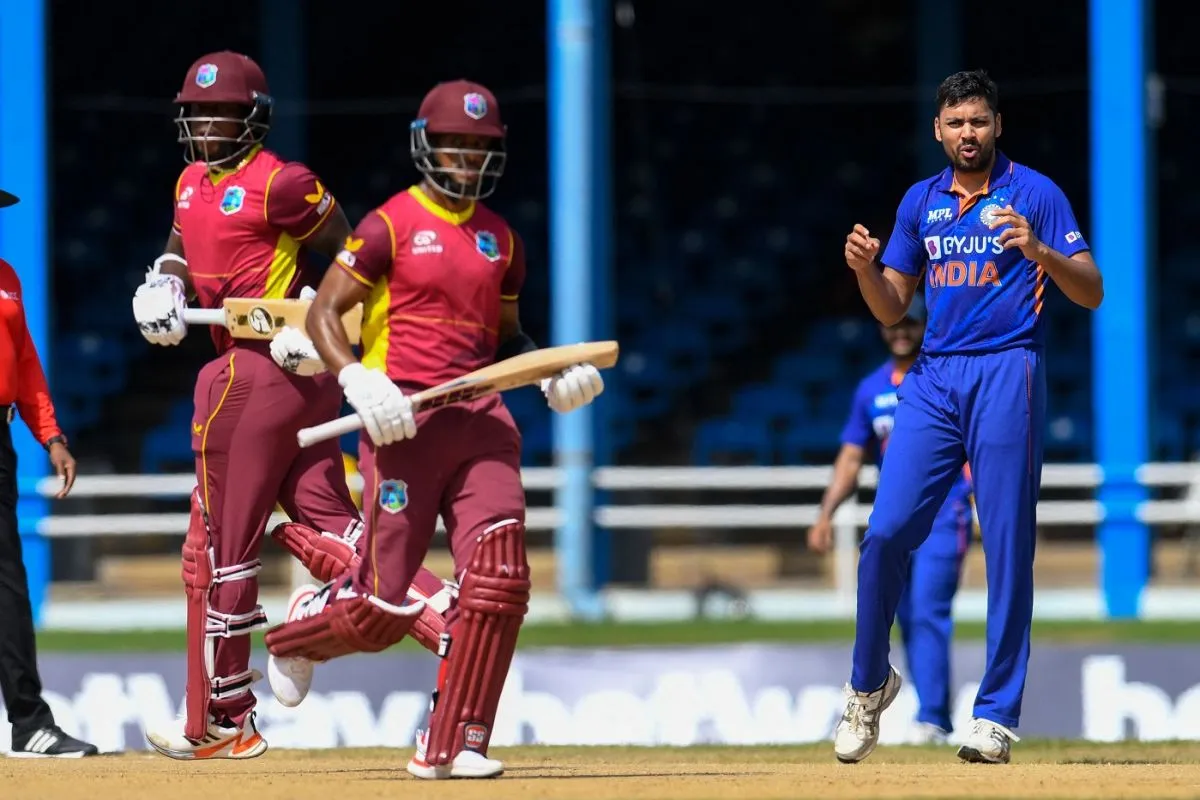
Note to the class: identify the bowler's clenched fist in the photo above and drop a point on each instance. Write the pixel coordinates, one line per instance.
(861, 249)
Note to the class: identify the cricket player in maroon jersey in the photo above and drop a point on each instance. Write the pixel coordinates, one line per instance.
(243, 218)
(440, 274)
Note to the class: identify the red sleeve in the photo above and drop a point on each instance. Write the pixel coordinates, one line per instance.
(175, 226)
(369, 252)
(514, 275)
(297, 202)
(33, 395)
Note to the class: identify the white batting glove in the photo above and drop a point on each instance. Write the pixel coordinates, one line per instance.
(295, 353)
(573, 387)
(387, 414)
(158, 306)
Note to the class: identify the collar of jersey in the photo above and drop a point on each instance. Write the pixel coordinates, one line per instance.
(445, 214)
(215, 176)
(1001, 175)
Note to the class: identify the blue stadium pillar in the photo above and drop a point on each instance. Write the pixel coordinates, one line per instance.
(283, 59)
(939, 53)
(571, 110)
(24, 241)
(1119, 238)
(604, 321)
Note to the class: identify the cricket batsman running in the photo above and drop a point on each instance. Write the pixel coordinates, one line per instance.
(242, 219)
(440, 274)
(925, 610)
(988, 234)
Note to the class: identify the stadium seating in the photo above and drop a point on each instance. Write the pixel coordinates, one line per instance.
(741, 336)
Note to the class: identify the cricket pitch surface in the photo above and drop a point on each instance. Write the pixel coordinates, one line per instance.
(1039, 770)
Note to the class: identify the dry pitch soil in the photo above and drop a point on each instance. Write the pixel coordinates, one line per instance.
(1039, 770)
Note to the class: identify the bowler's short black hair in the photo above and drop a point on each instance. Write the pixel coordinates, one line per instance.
(968, 85)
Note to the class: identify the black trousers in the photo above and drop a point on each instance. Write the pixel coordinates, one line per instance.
(19, 680)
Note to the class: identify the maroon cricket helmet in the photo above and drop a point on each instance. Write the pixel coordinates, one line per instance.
(230, 79)
(455, 109)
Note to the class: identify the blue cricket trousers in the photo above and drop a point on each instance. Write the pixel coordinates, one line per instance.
(989, 408)
(925, 613)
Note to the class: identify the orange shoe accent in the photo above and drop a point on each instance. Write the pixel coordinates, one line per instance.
(213, 749)
(240, 747)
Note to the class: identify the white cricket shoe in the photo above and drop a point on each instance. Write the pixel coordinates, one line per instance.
(923, 733)
(291, 677)
(220, 741)
(988, 743)
(467, 764)
(858, 731)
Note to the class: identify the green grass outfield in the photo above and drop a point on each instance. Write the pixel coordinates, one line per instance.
(612, 634)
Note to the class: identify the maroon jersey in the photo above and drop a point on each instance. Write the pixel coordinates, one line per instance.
(437, 279)
(243, 229)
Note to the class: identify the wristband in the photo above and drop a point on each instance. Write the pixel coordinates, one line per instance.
(515, 346)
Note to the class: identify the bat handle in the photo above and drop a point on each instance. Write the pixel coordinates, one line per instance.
(329, 430)
(204, 316)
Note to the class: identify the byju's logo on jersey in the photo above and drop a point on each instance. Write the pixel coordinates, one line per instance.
(232, 201)
(485, 243)
(206, 76)
(933, 247)
(393, 496)
(939, 215)
(475, 105)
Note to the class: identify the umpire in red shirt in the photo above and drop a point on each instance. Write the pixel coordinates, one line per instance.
(23, 387)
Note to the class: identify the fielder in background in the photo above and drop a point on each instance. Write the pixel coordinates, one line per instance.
(243, 218)
(440, 274)
(23, 389)
(925, 610)
(987, 234)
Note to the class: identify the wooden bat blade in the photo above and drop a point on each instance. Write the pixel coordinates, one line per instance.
(518, 371)
(261, 319)
(511, 373)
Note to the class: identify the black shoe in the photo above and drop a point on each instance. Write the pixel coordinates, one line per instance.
(51, 742)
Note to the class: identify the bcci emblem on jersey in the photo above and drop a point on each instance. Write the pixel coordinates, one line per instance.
(485, 243)
(232, 202)
(987, 214)
(393, 496)
(206, 76)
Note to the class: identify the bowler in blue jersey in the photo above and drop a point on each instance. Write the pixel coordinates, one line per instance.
(988, 235)
(925, 611)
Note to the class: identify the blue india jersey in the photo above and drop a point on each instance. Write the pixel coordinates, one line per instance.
(980, 297)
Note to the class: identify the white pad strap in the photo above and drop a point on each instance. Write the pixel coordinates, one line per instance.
(225, 626)
(219, 625)
(238, 572)
(234, 685)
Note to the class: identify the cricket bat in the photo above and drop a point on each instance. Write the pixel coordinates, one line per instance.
(511, 373)
(256, 318)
